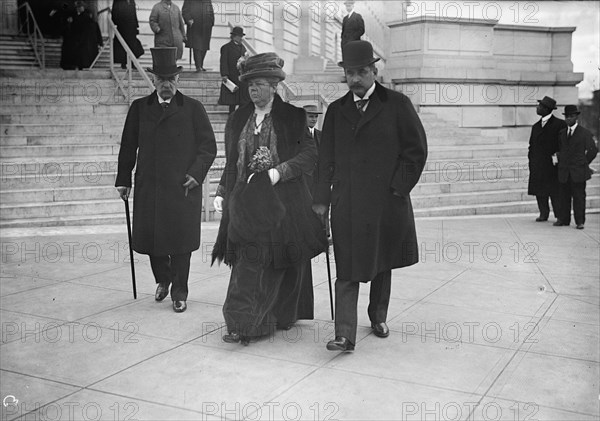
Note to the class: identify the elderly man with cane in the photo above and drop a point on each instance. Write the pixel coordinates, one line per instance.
(169, 137)
(372, 152)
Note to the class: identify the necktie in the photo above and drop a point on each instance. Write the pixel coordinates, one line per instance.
(164, 105)
(360, 104)
(569, 133)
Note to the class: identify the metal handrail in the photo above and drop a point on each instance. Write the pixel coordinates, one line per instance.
(35, 35)
(113, 32)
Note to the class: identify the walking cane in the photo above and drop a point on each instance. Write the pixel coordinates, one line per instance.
(130, 249)
(328, 234)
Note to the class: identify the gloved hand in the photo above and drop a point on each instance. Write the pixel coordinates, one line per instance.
(274, 176)
(321, 211)
(218, 204)
(124, 192)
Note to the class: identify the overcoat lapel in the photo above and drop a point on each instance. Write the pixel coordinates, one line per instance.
(349, 110)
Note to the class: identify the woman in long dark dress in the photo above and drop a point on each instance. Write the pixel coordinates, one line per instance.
(268, 232)
(124, 16)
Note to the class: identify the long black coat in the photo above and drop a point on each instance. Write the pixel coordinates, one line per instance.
(169, 144)
(543, 143)
(300, 235)
(81, 39)
(372, 162)
(198, 34)
(575, 155)
(353, 28)
(124, 16)
(230, 54)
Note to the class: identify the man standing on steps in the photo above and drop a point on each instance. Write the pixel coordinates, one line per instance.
(372, 152)
(543, 174)
(170, 138)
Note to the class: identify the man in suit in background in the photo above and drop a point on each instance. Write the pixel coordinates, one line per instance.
(372, 152)
(312, 116)
(353, 25)
(169, 139)
(577, 150)
(543, 174)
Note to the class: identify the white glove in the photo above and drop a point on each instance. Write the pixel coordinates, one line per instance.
(274, 176)
(218, 204)
(554, 159)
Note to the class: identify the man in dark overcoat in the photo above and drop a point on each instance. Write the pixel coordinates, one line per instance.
(312, 117)
(199, 16)
(353, 25)
(577, 150)
(373, 150)
(543, 143)
(230, 54)
(173, 140)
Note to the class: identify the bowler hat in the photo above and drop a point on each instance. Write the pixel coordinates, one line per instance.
(268, 65)
(357, 54)
(164, 62)
(237, 30)
(571, 109)
(312, 109)
(548, 102)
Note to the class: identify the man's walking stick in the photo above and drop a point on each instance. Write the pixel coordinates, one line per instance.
(130, 249)
(328, 234)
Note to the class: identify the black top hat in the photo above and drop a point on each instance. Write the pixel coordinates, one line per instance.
(164, 62)
(548, 102)
(357, 54)
(237, 30)
(571, 109)
(268, 65)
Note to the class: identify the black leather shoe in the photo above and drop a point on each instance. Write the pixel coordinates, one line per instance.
(559, 224)
(579, 226)
(284, 326)
(541, 219)
(234, 338)
(179, 306)
(340, 344)
(162, 290)
(380, 329)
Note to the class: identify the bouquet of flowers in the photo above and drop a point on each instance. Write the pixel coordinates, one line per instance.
(261, 160)
(241, 63)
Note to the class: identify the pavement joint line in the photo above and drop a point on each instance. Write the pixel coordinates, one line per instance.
(516, 352)
(543, 406)
(535, 262)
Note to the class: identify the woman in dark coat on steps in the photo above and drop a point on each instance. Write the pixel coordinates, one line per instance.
(124, 16)
(268, 232)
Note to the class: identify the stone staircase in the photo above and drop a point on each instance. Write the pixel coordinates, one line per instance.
(61, 131)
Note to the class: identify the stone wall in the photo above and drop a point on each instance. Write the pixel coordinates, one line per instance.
(479, 73)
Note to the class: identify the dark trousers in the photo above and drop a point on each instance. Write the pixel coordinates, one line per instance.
(576, 191)
(173, 270)
(199, 58)
(346, 300)
(544, 207)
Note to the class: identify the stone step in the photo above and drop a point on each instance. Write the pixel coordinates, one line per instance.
(9, 152)
(54, 209)
(478, 152)
(64, 109)
(499, 208)
(115, 119)
(472, 198)
(58, 194)
(58, 139)
(58, 176)
(58, 221)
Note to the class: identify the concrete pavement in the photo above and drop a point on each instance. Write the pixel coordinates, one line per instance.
(498, 321)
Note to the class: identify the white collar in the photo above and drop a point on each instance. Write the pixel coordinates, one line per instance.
(367, 94)
(572, 128)
(160, 100)
(546, 118)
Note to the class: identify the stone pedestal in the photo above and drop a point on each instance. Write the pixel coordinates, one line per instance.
(479, 73)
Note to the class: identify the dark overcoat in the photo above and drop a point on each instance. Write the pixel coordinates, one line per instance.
(167, 24)
(353, 27)
(169, 144)
(300, 235)
(124, 16)
(203, 14)
(575, 155)
(543, 143)
(372, 162)
(230, 54)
